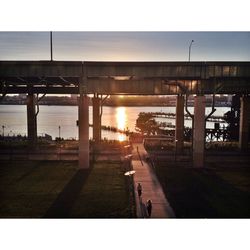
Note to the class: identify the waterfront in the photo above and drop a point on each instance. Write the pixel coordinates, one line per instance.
(13, 118)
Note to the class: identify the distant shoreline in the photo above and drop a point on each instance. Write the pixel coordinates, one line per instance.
(127, 105)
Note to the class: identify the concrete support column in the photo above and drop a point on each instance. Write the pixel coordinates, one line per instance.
(96, 119)
(83, 117)
(179, 124)
(199, 131)
(31, 120)
(244, 122)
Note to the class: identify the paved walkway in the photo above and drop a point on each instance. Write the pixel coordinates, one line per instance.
(151, 188)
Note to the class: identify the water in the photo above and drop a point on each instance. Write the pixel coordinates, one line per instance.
(14, 118)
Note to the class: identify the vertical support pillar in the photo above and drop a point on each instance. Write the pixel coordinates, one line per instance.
(83, 118)
(199, 131)
(96, 119)
(31, 120)
(244, 122)
(179, 124)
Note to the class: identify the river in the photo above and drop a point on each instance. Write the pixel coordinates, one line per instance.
(14, 119)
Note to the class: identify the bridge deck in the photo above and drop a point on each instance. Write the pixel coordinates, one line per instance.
(145, 78)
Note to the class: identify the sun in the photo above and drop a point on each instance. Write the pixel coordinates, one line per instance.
(121, 119)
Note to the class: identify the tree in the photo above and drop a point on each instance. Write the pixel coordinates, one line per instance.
(146, 124)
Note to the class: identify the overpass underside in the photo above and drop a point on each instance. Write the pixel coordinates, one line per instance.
(129, 78)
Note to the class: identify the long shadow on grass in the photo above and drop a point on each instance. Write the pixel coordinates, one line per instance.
(29, 171)
(195, 194)
(63, 204)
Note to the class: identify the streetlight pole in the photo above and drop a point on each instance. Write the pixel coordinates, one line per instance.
(3, 129)
(175, 152)
(190, 50)
(51, 47)
(59, 127)
(59, 141)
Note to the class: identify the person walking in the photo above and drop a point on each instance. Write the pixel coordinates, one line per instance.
(149, 207)
(139, 189)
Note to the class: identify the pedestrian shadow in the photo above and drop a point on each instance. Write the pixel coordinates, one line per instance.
(143, 208)
(63, 204)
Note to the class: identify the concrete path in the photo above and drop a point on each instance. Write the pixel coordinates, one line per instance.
(151, 188)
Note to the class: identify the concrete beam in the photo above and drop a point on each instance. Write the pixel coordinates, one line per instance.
(41, 90)
(83, 118)
(179, 124)
(177, 70)
(143, 78)
(244, 122)
(96, 119)
(199, 131)
(108, 86)
(31, 120)
(40, 68)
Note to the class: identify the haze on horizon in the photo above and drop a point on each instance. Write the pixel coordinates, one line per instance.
(126, 46)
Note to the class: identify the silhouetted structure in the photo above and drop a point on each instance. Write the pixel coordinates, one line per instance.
(232, 117)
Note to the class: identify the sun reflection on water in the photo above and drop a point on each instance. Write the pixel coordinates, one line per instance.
(121, 118)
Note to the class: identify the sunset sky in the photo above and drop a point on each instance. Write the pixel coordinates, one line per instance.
(126, 46)
(129, 15)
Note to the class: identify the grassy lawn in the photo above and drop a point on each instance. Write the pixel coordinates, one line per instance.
(104, 195)
(31, 189)
(202, 193)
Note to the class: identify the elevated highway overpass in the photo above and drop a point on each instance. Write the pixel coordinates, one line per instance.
(129, 78)
(132, 78)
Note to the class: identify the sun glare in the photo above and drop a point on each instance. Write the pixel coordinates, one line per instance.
(121, 118)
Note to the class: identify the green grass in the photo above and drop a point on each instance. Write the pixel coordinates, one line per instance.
(104, 195)
(30, 189)
(197, 193)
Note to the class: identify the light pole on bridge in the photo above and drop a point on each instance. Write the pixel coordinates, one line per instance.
(59, 128)
(190, 50)
(51, 47)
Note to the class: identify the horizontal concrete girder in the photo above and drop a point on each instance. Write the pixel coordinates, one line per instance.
(133, 87)
(125, 77)
(203, 70)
